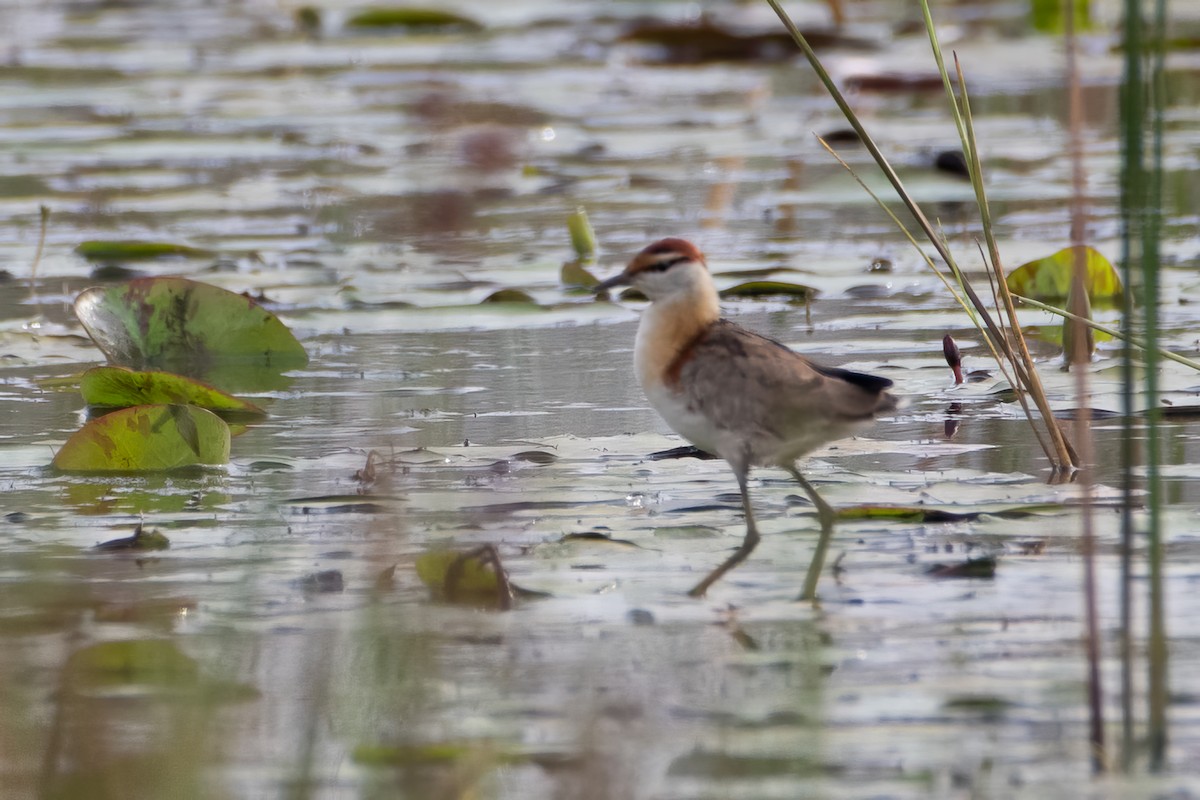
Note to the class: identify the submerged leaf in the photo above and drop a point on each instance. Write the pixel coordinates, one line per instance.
(153, 662)
(1049, 279)
(136, 250)
(118, 387)
(149, 438)
(184, 325)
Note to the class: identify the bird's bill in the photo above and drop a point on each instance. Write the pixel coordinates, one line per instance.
(620, 279)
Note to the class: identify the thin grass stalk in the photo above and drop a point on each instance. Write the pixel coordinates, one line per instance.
(1083, 424)
(990, 328)
(1003, 362)
(1131, 102)
(1033, 382)
(44, 213)
(1116, 333)
(1158, 685)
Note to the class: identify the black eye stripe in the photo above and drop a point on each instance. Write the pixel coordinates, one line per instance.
(661, 266)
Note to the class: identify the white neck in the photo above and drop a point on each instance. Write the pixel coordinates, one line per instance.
(668, 326)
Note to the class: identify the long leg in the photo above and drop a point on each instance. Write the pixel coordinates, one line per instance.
(825, 515)
(748, 544)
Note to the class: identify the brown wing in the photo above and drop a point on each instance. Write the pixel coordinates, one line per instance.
(739, 379)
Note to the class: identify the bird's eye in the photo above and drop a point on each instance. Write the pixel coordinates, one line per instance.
(665, 264)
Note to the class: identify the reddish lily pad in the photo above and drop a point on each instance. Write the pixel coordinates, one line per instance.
(1049, 279)
(150, 438)
(184, 326)
(118, 387)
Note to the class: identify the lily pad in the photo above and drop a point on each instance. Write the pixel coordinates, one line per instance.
(509, 296)
(118, 387)
(574, 273)
(149, 438)
(184, 326)
(475, 578)
(1049, 279)
(136, 250)
(381, 17)
(770, 289)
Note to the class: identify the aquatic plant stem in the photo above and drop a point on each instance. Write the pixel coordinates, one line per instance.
(1142, 100)
(1079, 354)
(1152, 230)
(1116, 333)
(44, 213)
(1061, 457)
(1031, 381)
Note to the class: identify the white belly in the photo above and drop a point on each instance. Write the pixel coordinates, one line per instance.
(696, 428)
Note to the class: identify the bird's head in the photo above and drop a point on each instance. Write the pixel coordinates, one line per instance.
(667, 268)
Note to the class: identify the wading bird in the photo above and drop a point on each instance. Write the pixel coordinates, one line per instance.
(734, 393)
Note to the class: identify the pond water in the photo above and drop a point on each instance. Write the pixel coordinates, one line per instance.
(375, 187)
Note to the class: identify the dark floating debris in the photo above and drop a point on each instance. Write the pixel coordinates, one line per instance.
(141, 539)
(982, 567)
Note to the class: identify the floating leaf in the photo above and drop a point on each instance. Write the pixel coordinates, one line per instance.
(184, 326)
(583, 238)
(118, 387)
(475, 578)
(573, 273)
(983, 567)
(325, 581)
(1049, 279)
(988, 705)
(414, 755)
(136, 250)
(770, 289)
(150, 438)
(338, 504)
(540, 457)
(380, 17)
(704, 41)
(509, 296)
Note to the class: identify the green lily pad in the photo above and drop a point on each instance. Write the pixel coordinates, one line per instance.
(574, 273)
(184, 326)
(477, 578)
(1049, 279)
(770, 289)
(380, 17)
(509, 296)
(150, 438)
(118, 387)
(136, 250)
